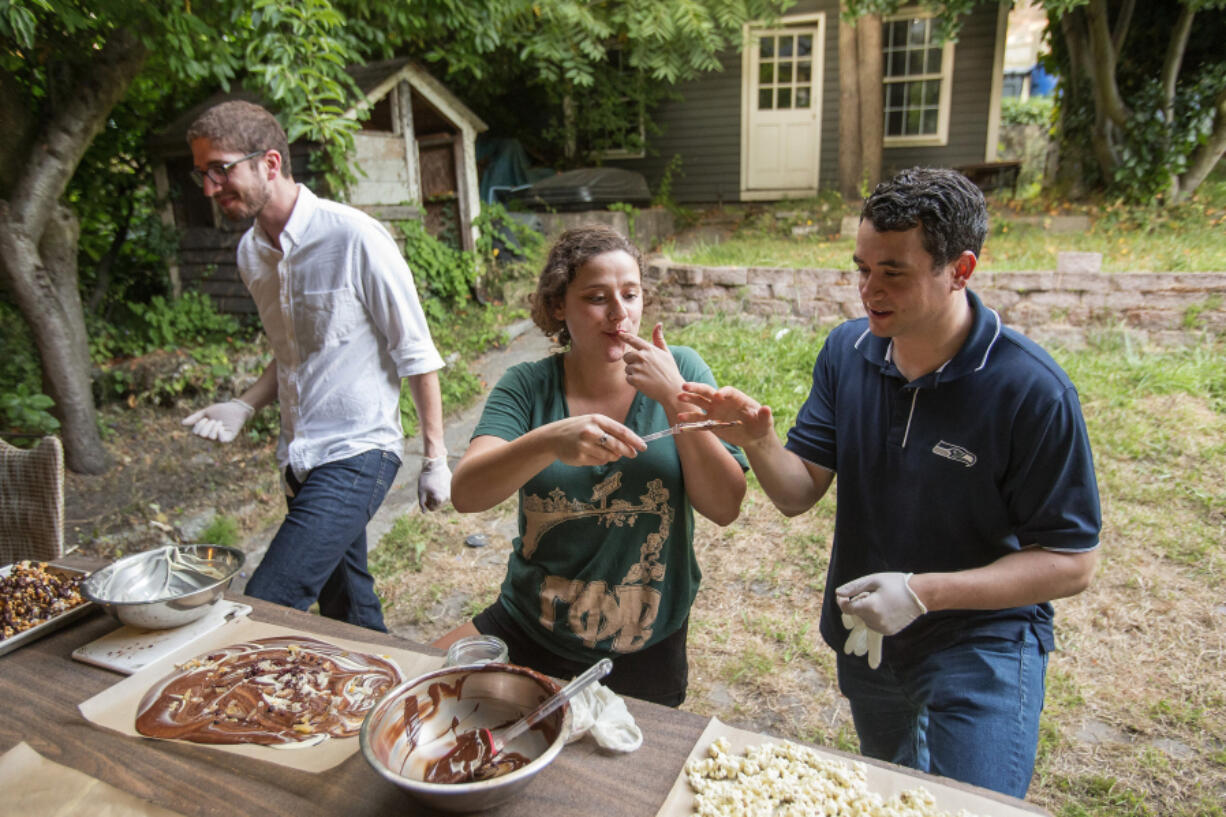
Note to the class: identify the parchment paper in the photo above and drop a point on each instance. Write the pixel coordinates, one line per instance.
(115, 708)
(950, 796)
(36, 787)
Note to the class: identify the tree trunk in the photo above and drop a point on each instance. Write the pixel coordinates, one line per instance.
(850, 156)
(872, 99)
(38, 244)
(1207, 155)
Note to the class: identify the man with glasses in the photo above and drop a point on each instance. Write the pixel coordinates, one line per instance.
(337, 301)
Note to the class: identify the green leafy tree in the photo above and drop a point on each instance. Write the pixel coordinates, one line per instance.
(82, 83)
(1143, 88)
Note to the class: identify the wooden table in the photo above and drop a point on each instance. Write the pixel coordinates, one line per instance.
(41, 686)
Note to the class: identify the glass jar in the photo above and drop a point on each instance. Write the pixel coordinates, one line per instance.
(476, 649)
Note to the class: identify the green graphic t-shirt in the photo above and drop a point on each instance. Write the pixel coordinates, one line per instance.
(604, 561)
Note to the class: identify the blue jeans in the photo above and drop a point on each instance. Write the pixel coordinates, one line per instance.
(320, 551)
(969, 712)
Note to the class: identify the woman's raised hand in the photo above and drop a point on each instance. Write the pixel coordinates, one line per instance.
(650, 367)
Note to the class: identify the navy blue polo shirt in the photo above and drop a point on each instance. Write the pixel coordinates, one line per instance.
(980, 458)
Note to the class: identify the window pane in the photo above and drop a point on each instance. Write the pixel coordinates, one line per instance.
(917, 33)
(915, 62)
(785, 72)
(785, 46)
(893, 125)
(896, 64)
(898, 33)
(894, 94)
(804, 45)
(768, 73)
(932, 92)
(934, 60)
(764, 99)
(767, 46)
(915, 94)
(803, 71)
(785, 98)
(930, 121)
(913, 121)
(802, 97)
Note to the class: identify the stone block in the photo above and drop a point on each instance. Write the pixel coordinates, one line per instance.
(688, 276)
(1069, 263)
(1054, 299)
(1141, 281)
(803, 230)
(849, 226)
(825, 277)
(769, 308)
(1127, 299)
(1203, 281)
(1068, 224)
(1057, 334)
(771, 275)
(727, 276)
(998, 299)
(792, 292)
(759, 291)
(1026, 281)
(1083, 281)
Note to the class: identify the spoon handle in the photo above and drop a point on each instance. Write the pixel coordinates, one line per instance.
(598, 670)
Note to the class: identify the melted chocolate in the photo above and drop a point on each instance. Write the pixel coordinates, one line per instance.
(268, 691)
(470, 760)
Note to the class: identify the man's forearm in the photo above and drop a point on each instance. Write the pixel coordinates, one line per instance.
(793, 485)
(264, 390)
(428, 400)
(1029, 576)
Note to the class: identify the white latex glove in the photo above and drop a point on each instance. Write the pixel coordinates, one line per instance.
(862, 640)
(885, 601)
(600, 712)
(220, 421)
(434, 483)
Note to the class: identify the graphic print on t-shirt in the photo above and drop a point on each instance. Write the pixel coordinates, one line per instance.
(626, 612)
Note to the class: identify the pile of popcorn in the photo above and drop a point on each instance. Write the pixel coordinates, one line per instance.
(783, 779)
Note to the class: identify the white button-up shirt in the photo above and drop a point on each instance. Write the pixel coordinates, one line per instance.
(342, 315)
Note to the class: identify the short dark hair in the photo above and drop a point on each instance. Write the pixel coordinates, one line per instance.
(572, 250)
(243, 127)
(947, 207)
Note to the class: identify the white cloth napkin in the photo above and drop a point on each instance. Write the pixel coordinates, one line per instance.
(599, 711)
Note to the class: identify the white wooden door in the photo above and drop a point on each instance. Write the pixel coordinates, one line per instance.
(782, 108)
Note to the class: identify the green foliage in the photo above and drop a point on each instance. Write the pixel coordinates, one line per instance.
(189, 320)
(444, 275)
(402, 548)
(25, 411)
(222, 530)
(1037, 110)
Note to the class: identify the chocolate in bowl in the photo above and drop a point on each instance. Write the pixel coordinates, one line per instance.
(415, 725)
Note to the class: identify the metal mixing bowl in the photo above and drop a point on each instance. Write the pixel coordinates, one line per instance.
(164, 588)
(478, 695)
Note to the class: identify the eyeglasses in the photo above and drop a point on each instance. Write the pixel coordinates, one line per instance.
(219, 173)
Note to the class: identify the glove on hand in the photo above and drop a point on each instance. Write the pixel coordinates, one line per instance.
(862, 640)
(885, 601)
(434, 483)
(220, 421)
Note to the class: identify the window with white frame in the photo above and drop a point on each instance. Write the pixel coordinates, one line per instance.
(916, 70)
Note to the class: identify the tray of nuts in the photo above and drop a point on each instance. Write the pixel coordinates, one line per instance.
(37, 598)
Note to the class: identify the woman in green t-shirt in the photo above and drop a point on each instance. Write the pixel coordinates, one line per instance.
(604, 562)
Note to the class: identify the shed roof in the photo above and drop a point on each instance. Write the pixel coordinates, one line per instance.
(375, 80)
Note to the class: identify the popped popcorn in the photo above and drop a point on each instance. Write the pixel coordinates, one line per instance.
(785, 779)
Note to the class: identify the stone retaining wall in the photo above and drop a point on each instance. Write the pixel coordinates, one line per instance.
(1059, 306)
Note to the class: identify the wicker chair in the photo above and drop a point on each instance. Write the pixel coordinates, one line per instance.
(31, 501)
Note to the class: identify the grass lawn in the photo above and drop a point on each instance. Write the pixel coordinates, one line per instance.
(1187, 238)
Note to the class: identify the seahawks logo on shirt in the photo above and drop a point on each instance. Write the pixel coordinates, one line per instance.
(954, 452)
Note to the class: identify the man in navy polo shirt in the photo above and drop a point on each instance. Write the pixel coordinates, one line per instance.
(967, 498)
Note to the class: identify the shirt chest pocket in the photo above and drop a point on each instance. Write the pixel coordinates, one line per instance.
(326, 318)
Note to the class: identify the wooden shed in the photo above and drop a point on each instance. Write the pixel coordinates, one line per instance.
(415, 158)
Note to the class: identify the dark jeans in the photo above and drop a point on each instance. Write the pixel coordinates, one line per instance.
(969, 712)
(320, 551)
(659, 673)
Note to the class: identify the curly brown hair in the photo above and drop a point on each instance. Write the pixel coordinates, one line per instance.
(572, 250)
(243, 127)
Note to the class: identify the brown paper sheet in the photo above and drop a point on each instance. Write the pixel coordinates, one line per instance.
(36, 787)
(115, 708)
(885, 781)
